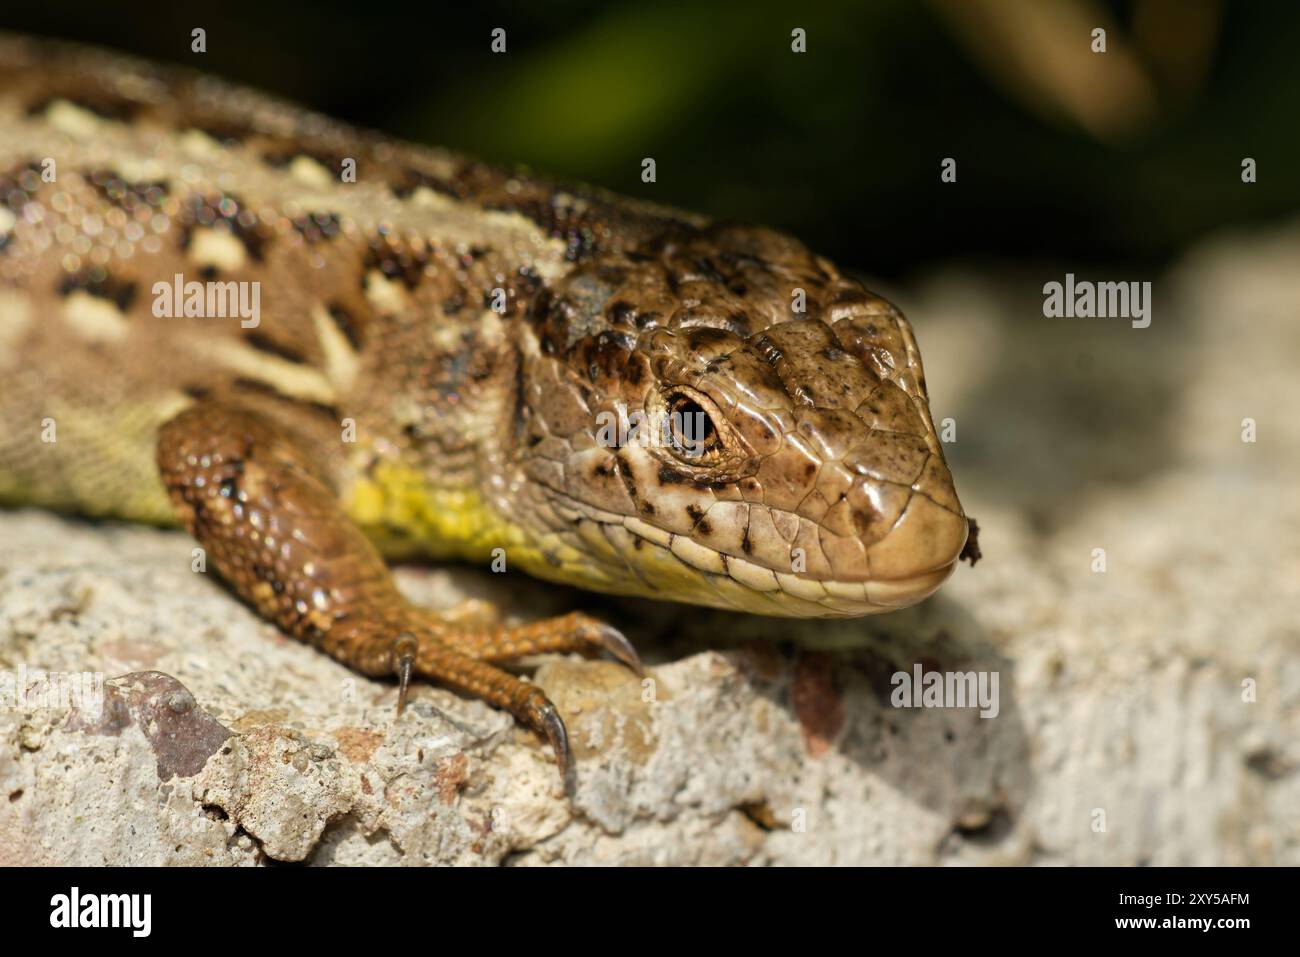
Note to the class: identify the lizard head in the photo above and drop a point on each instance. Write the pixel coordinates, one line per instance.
(720, 417)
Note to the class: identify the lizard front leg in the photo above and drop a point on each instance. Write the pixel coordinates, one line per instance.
(274, 530)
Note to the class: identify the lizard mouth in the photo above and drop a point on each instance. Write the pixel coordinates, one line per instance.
(642, 559)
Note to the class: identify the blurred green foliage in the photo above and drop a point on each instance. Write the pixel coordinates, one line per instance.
(841, 145)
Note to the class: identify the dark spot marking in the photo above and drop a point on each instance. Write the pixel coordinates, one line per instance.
(707, 268)
(396, 260)
(527, 281)
(99, 101)
(667, 476)
(226, 132)
(223, 212)
(740, 262)
(628, 483)
(621, 313)
(578, 226)
(409, 180)
(604, 354)
(862, 519)
(282, 155)
(254, 387)
(264, 343)
(97, 283)
(703, 336)
(347, 324)
(552, 316)
(314, 227)
(126, 195)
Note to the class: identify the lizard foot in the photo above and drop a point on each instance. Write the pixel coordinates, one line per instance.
(274, 530)
(466, 659)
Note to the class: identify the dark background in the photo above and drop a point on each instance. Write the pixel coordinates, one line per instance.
(1062, 154)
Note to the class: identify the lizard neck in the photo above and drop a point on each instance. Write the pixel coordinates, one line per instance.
(435, 470)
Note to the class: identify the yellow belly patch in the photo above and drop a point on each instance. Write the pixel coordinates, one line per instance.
(407, 517)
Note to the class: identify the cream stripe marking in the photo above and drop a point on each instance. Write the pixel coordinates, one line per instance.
(341, 361)
(290, 379)
(73, 120)
(93, 318)
(217, 247)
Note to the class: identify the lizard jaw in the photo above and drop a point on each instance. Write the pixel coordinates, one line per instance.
(628, 556)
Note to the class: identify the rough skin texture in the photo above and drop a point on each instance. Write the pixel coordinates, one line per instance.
(440, 350)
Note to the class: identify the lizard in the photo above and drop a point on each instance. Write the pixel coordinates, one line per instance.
(445, 358)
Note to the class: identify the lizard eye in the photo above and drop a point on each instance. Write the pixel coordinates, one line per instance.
(690, 428)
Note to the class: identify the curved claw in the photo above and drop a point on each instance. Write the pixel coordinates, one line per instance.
(552, 725)
(615, 643)
(404, 660)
